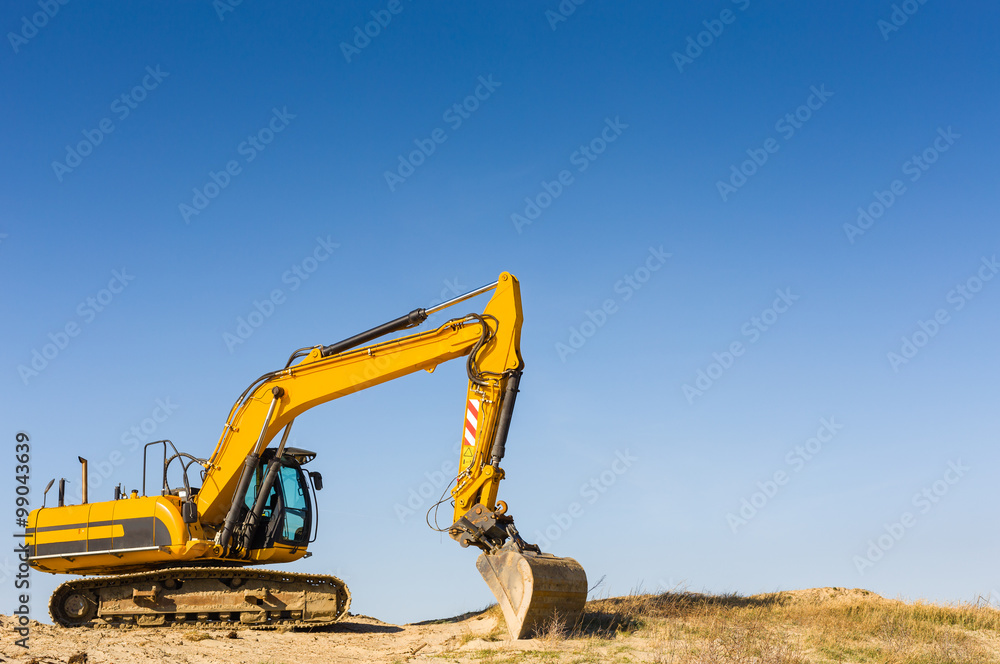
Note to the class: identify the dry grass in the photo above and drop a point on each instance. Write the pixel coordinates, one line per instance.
(819, 626)
(828, 625)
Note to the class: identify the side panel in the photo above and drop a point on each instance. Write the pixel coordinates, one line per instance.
(56, 530)
(75, 538)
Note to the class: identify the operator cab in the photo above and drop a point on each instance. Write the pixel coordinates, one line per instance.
(288, 513)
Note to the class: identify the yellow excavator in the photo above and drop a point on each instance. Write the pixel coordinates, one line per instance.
(185, 555)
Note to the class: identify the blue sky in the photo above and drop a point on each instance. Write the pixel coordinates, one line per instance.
(740, 138)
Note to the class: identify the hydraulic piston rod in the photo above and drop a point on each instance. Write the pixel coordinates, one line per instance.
(412, 319)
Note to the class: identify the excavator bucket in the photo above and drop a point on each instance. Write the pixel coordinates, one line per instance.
(534, 589)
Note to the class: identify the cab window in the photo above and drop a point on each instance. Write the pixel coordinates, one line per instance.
(296, 505)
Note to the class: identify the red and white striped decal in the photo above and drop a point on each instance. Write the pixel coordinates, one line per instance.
(471, 422)
(469, 437)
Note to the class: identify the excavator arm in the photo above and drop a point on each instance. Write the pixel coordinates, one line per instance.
(491, 342)
(530, 586)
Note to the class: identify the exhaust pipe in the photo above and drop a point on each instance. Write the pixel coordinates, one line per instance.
(62, 491)
(83, 463)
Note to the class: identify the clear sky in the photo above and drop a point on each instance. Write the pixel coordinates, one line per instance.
(756, 245)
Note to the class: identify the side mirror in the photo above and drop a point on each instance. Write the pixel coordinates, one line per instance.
(317, 480)
(189, 511)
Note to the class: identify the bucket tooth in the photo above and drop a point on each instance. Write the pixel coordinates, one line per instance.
(533, 588)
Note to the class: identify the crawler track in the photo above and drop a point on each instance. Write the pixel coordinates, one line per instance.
(210, 597)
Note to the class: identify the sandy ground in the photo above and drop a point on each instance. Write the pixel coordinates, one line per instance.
(356, 639)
